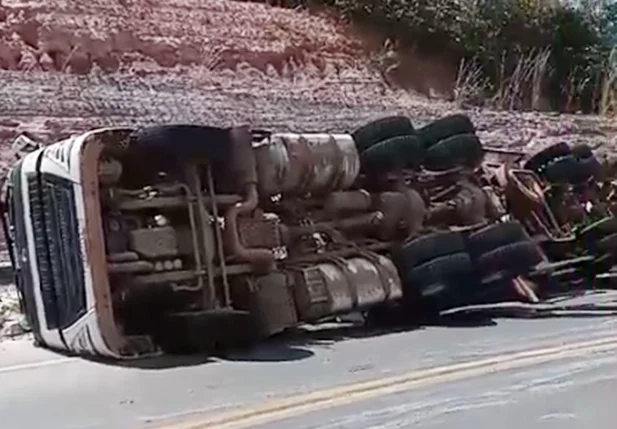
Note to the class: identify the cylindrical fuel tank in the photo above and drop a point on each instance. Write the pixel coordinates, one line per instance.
(342, 285)
(303, 163)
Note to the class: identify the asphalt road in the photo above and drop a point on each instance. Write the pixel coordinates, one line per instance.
(42, 389)
(568, 394)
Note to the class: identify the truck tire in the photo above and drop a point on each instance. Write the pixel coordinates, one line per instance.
(446, 127)
(546, 155)
(440, 282)
(566, 169)
(588, 163)
(495, 235)
(582, 151)
(456, 151)
(577, 168)
(393, 154)
(588, 168)
(514, 259)
(381, 129)
(207, 331)
(422, 249)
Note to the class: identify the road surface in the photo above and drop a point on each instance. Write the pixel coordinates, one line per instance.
(43, 389)
(565, 394)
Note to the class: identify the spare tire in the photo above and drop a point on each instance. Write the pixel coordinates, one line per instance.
(392, 154)
(446, 127)
(463, 150)
(381, 129)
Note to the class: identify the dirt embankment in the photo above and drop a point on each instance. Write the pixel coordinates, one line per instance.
(69, 65)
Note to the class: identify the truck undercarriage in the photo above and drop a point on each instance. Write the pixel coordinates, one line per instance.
(215, 238)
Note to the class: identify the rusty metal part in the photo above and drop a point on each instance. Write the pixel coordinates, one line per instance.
(394, 206)
(109, 171)
(219, 239)
(495, 208)
(186, 276)
(416, 209)
(527, 204)
(193, 228)
(260, 230)
(306, 163)
(270, 300)
(93, 146)
(115, 230)
(153, 243)
(471, 204)
(156, 202)
(246, 174)
(207, 244)
(347, 201)
(357, 223)
(136, 267)
(123, 257)
(339, 285)
(346, 252)
(525, 289)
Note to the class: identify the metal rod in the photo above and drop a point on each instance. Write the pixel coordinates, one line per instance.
(219, 238)
(205, 222)
(195, 239)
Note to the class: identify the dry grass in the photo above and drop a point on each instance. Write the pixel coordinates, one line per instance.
(608, 98)
(523, 88)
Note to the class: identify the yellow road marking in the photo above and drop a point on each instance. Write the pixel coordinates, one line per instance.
(329, 398)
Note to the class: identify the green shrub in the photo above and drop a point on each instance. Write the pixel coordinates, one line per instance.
(559, 48)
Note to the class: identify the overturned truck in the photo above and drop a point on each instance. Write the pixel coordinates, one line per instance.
(192, 239)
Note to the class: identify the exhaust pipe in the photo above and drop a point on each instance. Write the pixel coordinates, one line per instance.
(245, 170)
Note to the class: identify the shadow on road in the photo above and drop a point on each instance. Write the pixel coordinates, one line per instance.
(265, 352)
(269, 352)
(330, 333)
(154, 362)
(470, 320)
(296, 344)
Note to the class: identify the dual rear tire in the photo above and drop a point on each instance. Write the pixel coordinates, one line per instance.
(446, 269)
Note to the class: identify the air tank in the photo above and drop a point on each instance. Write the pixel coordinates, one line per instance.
(342, 285)
(306, 163)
